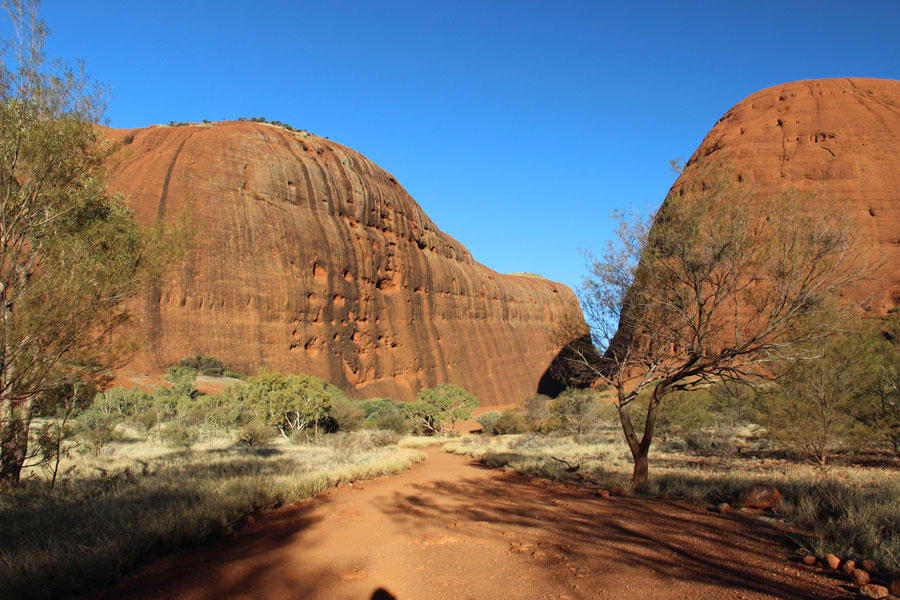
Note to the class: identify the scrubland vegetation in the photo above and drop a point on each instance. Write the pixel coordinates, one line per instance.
(712, 443)
(117, 476)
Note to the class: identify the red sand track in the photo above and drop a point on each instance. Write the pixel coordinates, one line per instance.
(450, 528)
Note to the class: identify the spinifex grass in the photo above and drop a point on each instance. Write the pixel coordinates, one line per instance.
(95, 525)
(851, 511)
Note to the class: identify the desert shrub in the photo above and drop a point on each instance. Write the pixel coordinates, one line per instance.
(577, 411)
(807, 410)
(255, 435)
(687, 415)
(95, 430)
(732, 407)
(373, 406)
(381, 437)
(487, 421)
(345, 414)
(608, 415)
(384, 413)
(356, 441)
(182, 380)
(204, 365)
(391, 420)
(145, 419)
(875, 408)
(536, 410)
(179, 434)
(510, 422)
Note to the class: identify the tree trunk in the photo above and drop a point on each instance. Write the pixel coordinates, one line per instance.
(14, 441)
(640, 449)
(641, 472)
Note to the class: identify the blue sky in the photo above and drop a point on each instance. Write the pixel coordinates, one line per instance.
(517, 125)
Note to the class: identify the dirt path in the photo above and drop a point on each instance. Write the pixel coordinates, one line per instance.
(449, 528)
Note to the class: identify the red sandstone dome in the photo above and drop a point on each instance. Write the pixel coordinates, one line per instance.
(310, 258)
(837, 139)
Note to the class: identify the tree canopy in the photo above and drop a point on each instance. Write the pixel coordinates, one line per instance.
(71, 253)
(723, 283)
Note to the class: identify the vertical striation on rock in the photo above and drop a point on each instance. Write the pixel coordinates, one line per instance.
(311, 258)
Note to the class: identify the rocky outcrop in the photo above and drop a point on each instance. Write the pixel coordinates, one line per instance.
(310, 258)
(836, 139)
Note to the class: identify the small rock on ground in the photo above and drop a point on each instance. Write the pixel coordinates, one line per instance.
(870, 590)
(860, 577)
(832, 561)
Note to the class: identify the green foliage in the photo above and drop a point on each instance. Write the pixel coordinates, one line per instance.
(179, 434)
(290, 403)
(255, 435)
(276, 123)
(436, 410)
(536, 410)
(95, 430)
(876, 407)
(385, 414)
(488, 421)
(71, 254)
(808, 408)
(182, 379)
(577, 411)
(345, 414)
(689, 416)
(204, 365)
(511, 422)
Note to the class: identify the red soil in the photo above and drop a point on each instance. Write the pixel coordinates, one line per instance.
(450, 528)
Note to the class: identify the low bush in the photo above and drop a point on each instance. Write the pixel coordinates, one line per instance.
(255, 435)
(488, 421)
(510, 422)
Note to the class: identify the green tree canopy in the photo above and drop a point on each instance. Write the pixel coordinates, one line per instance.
(71, 254)
(436, 410)
(290, 403)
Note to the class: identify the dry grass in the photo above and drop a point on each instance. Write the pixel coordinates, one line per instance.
(425, 441)
(849, 510)
(138, 499)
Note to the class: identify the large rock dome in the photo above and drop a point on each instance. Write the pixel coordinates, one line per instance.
(837, 140)
(311, 258)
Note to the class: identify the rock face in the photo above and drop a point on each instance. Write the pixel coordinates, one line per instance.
(310, 258)
(838, 139)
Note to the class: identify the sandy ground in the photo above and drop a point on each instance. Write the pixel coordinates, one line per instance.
(450, 528)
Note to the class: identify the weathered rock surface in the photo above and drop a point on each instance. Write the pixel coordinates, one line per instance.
(838, 139)
(310, 258)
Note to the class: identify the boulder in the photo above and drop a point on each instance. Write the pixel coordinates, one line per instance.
(860, 577)
(761, 495)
